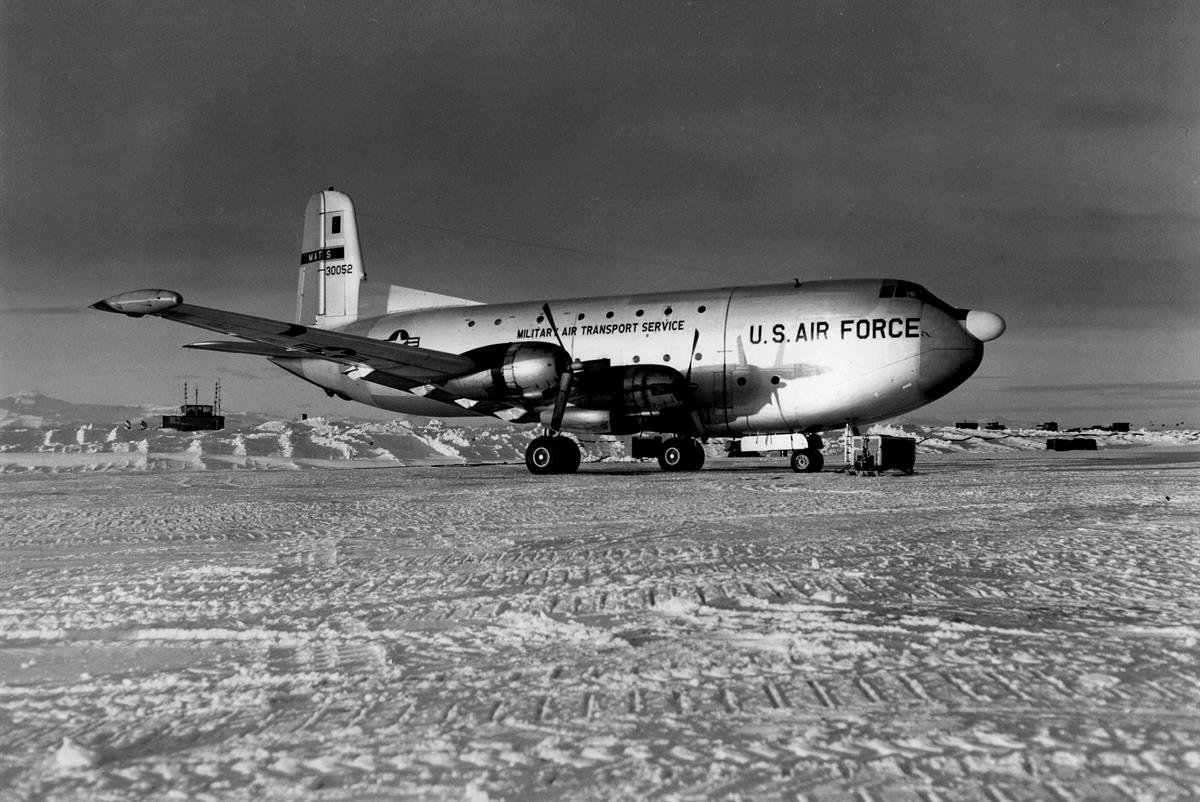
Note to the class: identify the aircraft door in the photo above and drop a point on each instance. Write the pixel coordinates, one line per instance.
(756, 359)
(735, 381)
(724, 380)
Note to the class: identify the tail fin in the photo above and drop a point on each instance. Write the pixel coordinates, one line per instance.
(334, 290)
(331, 266)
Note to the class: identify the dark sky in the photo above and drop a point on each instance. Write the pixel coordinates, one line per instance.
(1040, 160)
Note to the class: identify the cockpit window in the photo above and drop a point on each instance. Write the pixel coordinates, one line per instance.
(906, 289)
(900, 289)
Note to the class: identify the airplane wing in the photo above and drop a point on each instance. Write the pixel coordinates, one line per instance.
(406, 363)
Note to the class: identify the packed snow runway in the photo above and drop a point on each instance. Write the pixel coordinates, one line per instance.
(990, 628)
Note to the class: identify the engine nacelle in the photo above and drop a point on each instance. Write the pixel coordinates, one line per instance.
(632, 390)
(525, 371)
(594, 421)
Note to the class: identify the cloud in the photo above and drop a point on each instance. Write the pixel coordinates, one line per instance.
(226, 372)
(238, 373)
(48, 310)
(1184, 390)
(1106, 113)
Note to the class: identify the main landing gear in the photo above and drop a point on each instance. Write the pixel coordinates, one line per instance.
(552, 454)
(807, 460)
(681, 454)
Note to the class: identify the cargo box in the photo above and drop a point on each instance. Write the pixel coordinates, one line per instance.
(1070, 444)
(885, 452)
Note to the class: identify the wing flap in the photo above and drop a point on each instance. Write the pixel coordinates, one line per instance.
(245, 347)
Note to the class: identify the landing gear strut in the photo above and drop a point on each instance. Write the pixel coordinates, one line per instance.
(556, 454)
(681, 454)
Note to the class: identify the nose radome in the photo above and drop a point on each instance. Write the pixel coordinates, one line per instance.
(984, 326)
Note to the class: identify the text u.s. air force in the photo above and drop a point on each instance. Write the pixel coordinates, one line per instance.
(862, 328)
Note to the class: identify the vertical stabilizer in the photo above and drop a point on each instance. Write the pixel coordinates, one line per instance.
(331, 267)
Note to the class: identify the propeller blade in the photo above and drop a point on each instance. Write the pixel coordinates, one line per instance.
(692, 357)
(693, 408)
(550, 319)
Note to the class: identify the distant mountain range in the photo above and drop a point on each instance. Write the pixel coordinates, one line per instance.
(38, 432)
(103, 436)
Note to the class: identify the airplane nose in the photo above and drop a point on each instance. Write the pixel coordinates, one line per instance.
(950, 353)
(984, 326)
(943, 369)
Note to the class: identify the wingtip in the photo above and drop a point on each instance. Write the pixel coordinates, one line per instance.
(139, 303)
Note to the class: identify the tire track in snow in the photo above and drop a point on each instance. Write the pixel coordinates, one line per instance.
(805, 632)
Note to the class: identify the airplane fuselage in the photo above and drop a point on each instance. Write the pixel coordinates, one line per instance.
(786, 357)
(780, 362)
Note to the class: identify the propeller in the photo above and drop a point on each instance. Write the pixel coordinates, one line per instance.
(691, 398)
(692, 356)
(564, 381)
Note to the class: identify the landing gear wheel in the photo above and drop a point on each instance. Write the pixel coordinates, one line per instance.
(681, 454)
(807, 460)
(568, 454)
(547, 455)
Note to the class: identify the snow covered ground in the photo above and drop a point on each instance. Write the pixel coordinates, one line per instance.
(1002, 625)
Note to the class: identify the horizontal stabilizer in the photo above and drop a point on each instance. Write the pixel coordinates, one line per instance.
(375, 299)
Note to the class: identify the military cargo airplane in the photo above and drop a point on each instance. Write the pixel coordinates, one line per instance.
(775, 364)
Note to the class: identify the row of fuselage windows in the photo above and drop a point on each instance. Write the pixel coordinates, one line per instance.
(667, 312)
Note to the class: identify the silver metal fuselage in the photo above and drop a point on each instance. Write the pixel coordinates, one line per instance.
(775, 358)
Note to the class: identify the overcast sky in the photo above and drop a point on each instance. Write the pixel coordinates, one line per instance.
(1039, 160)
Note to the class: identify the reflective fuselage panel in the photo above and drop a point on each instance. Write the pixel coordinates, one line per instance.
(772, 358)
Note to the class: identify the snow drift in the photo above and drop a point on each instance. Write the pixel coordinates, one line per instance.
(46, 434)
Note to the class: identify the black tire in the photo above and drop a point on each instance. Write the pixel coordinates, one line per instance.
(547, 455)
(568, 455)
(807, 460)
(541, 456)
(681, 454)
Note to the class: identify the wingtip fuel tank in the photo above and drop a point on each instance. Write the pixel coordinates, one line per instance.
(140, 302)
